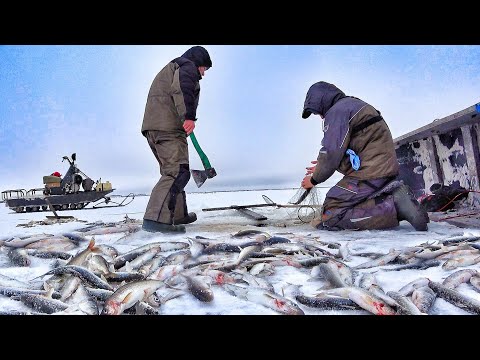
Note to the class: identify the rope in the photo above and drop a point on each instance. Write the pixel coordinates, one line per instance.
(460, 215)
(456, 196)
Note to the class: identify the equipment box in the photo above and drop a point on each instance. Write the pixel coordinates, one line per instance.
(103, 186)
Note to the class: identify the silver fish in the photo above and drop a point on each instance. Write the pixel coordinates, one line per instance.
(367, 280)
(423, 298)
(69, 287)
(42, 303)
(363, 298)
(178, 257)
(108, 250)
(17, 242)
(142, 308)
(330, 273)
(162, 246)
(49, 254)
(98, 265)
(57, 243)
(113, 230)
(19, 257)
(327, 302)
(243, 233)
(408, 289)
(475, 281)
(82, 256)
(16, 291)
(455, 298)
(392, 254)
(99, 294)
(128, 295)
(262, 269)
(140, 260)
(405, 305)
(261, 296)
(84, 274)
(199, 289)
(153, 265)
(254, 280)
(82, 302)
(460, 262)
(219, 277)
(459, 277)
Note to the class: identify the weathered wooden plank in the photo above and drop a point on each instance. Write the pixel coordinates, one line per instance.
(466, 116)
(436, 170)
(452, 157)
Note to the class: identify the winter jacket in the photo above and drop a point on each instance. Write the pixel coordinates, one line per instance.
(175, 91)
(344, 116)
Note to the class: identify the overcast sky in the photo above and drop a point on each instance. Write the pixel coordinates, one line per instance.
(56, 100)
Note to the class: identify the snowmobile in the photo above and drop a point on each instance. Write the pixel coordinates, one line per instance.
(63, 193)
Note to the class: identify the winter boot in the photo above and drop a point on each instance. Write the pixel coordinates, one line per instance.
(191, 217)
(154, 226)
(409, 209)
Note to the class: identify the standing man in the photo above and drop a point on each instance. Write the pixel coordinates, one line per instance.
(357, 143)
(170, 115)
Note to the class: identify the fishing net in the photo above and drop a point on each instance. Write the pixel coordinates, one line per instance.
(308, 202)
(304, 205)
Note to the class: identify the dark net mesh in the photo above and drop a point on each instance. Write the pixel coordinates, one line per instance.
(308, 202)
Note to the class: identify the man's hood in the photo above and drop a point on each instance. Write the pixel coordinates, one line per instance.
(320, 98)
(199, 56)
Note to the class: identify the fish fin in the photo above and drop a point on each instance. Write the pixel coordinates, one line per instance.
(127, 297)
(326, 287)
(269, 295)
(91, 244)
(47, 273)
(50, 292)
(172, 287)
(170, 296)
(46, 286)
(128, 267)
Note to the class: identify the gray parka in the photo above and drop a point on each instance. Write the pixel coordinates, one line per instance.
(175, 91)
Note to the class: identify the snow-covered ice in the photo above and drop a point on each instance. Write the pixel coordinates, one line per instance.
(221, 225)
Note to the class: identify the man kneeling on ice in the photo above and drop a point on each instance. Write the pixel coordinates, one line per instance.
(357, 143)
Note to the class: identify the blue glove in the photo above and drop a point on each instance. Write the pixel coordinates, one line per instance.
(354, 159)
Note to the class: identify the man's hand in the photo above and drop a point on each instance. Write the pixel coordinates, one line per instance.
(188, 126)
(311, 169)
(306, 183)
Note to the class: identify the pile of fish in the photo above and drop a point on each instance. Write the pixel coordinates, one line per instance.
(51, 221)
(89, 278)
